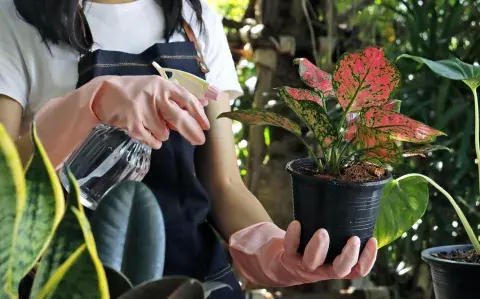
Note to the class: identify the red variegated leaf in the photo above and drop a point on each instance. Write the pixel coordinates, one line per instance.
(314, 77)
(364, 79)
(260, 117)
(387, 153)
(314, 117)
(304, 95)
(352, 129)
(399, 127)
(370, 137)
(422, 151)
(393, 106)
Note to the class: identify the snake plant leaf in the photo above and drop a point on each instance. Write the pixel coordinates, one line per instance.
(314, 77)
(453, 69)
(364, 79)
(12, 200)
(403, 203)
(129, 231)
(304, 95)
(39, 208)
(260, 117)
(422, 151)
(71, 267)
(314, 117)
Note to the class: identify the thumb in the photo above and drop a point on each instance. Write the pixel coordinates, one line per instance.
(292, 238)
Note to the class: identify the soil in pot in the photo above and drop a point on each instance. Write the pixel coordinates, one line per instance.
(455, 271)
(346, 205)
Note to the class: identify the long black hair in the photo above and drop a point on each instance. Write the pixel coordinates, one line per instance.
(63, 21)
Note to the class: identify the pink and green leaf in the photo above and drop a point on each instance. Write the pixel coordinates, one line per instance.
(364, 79)
(304, 95)
(314, 117)
(399, 127)
(388, 153)
(260, 117)
(393, 106)
(314, 77)
(423, 151)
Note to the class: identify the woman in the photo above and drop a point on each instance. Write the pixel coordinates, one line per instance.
(75, 65)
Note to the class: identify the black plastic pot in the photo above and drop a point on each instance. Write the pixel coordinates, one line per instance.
(344, 209)
(453, 280)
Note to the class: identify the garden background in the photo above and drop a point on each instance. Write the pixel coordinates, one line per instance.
(266, 35)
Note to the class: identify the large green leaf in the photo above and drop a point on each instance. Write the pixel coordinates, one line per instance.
(314, 117)
(32, 213)
(129, 231)
(260, 117)
(403, 203)
(71, 267)
(12, 202)
(453, 69)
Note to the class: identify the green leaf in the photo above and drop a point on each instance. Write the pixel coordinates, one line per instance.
(260, 117)
(314, 117)
(364, 79)
(168, 287)
(421, 151)
(453, 69)
(44, 209)
(403, 203)
(71, 267)
(129, 230)
(12, 202)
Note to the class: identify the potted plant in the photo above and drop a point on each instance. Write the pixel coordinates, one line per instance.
(340, 189)
(48, 249)
(455, 269)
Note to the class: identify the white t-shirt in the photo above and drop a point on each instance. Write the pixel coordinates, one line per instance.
(31, 75)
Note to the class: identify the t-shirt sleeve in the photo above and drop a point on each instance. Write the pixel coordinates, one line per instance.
(218, 59)
(13, 73)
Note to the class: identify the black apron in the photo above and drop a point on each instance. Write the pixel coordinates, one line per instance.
(192, 247)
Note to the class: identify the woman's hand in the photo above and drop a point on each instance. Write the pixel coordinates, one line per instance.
(268, 256)
(146, 106)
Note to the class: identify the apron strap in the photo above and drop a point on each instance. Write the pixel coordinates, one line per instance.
(192, 38)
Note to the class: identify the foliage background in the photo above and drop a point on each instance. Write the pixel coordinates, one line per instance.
(436, 30)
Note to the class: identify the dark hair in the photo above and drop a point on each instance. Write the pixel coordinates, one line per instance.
(63, 21)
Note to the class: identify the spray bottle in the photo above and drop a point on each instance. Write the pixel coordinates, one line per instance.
(109, 155)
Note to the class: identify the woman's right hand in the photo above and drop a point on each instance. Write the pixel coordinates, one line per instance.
(147, 107)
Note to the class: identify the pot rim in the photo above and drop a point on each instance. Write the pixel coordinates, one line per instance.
(429, 258)
(289, 167)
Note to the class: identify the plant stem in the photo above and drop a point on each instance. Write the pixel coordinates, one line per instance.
(463, 219)
(477, 141)
(311, 153)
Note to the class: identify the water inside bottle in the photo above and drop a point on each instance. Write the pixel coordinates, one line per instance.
(106, 157)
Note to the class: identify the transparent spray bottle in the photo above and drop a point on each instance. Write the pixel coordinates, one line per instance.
(109, 155)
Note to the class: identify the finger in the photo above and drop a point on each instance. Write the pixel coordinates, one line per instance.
(292, 238)
(367, 258)
(157, 126)
(343, 264)
(316, 250)
(143, 135)
(186, 125)
(189, 102)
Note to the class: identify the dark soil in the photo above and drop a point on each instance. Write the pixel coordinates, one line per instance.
(359, 172)
(470, 256)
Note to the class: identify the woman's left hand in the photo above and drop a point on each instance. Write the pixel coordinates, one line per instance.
(267, 255)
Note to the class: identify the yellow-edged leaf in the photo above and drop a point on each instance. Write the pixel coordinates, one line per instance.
(12, 202)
